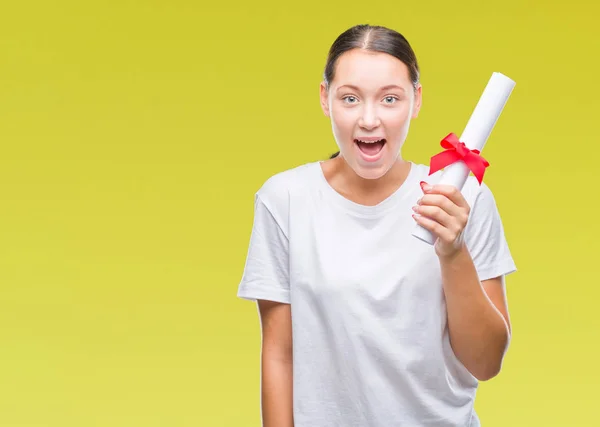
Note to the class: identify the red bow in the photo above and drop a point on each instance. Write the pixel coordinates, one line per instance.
(456, 150)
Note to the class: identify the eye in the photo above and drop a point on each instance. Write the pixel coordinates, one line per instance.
(345, 98)
(392, 98)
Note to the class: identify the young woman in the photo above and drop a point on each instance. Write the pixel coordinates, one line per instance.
(364, 325)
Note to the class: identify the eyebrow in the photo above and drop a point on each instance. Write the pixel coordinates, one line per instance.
(381, 89)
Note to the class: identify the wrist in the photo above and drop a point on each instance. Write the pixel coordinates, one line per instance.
(459, 251)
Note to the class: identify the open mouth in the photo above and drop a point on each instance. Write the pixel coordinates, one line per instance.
(370, 148)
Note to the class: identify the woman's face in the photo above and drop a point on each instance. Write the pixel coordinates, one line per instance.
(370, 102)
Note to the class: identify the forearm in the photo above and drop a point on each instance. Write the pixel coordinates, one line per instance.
(479, 334)
(277, 392)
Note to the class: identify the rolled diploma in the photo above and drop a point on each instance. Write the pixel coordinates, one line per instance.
(474, 136)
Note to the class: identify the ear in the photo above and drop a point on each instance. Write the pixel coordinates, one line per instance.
(418, 101)
(324, 99)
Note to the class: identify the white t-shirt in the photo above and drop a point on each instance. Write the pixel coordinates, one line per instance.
(370, 337)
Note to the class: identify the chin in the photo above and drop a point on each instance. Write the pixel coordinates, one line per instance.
(373, 166)
(371, 171)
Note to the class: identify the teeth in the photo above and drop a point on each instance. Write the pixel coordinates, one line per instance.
(369, 142)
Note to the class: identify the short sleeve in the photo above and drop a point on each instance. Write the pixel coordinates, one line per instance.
(266, 273)
(485, 237)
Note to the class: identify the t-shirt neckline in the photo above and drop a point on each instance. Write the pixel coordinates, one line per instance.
(366, 210)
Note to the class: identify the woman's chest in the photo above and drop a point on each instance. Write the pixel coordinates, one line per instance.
(375, 262)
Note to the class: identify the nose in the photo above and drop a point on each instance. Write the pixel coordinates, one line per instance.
(369, 118)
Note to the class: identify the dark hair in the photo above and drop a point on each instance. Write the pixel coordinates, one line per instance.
(373, 38)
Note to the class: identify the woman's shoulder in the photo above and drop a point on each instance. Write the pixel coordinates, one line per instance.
(281, 183)
(478, 194)
(277, 189)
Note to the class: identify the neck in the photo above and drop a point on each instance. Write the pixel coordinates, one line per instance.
(366, 191)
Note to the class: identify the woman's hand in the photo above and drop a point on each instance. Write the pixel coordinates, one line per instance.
(444, 212)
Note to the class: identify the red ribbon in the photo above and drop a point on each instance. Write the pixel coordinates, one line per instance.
(456, 150)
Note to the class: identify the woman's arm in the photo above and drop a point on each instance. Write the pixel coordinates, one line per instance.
(478, 319)
(276, 360)
(477, 312)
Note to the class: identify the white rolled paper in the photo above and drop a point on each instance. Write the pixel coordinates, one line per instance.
(474, 136)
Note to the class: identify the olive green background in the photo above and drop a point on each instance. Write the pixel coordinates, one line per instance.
(133, 135)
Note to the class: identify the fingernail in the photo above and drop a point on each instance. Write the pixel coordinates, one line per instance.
(425, 186)
(415, 208)
(419, 201)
